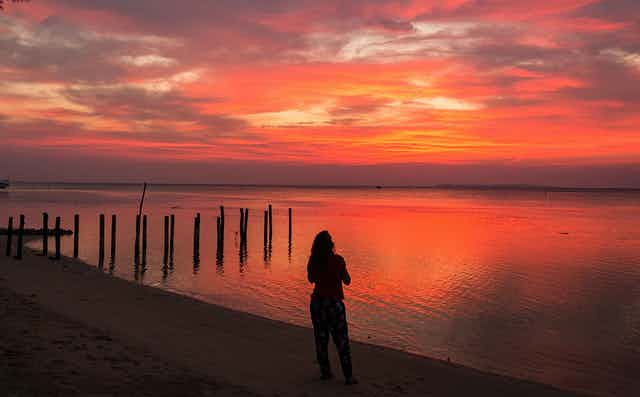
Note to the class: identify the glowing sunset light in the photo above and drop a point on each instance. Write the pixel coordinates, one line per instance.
(418, 84)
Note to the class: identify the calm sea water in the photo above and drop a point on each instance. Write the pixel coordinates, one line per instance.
(540, 285)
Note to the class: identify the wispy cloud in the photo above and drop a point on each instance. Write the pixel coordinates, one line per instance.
(304, 81)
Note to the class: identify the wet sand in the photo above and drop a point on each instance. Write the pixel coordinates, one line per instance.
(73, 330)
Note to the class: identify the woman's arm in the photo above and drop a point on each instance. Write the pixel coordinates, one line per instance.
(346, 278)
(310, 275)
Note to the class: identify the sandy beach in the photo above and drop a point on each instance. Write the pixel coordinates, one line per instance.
(69, 329)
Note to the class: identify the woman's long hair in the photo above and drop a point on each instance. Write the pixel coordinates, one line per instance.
(321, 250)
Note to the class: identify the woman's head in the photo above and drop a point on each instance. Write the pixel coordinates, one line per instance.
(322, 247)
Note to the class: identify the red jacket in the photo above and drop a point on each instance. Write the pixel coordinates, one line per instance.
(328, 282)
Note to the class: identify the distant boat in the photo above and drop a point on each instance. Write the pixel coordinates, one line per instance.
(4, 183)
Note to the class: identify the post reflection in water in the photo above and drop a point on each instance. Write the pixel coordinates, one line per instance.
(242, 252)
(196, 262)
(112, 265)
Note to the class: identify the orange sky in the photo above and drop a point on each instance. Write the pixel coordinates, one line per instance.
(307, 83)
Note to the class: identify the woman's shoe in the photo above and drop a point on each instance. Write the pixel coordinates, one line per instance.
(326, 376)
(351, 381)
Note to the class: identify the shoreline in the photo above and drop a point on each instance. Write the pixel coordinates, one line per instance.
(236, 352)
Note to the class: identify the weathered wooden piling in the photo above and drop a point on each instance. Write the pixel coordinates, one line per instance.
(266, 221)
(196, 244)
(20, 236)
(57, 235)
(270, 223)
(246, 223)
(165, 256)
(241, 224)
(198, 216)
(196, 235)
(76, 234)
(289, 225)
(144, 240)
(172, 227)
(219, 243)
(9, 236)
(101, 248)
(113, 237)
(222, 216)
(137, 244)
(45, 234)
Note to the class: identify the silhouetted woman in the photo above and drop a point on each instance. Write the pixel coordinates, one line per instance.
(328, 270)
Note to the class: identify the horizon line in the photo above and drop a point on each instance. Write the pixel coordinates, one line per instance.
(456, 186)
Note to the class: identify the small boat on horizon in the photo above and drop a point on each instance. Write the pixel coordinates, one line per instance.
(4, 183)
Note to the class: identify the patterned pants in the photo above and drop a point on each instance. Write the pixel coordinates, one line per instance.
(329, 316)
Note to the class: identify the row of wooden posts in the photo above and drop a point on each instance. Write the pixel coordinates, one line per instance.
(46, 232)
(169, 233)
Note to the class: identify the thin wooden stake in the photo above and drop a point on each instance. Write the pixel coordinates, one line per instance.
(101, 247)
(196, 235)
(266, 222)
(20, 235)
(173, 219)
(137, 244)
(166, 240)
(9, 236)
(57, 232)
(246, 224)
(144, 240)
(198, 216)
(113, 237)
(144, 190)
(45, 234)
(76, 234)
(289, 225)
(270, 223)
(241, 224)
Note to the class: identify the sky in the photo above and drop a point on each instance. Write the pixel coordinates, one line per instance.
(321, 92)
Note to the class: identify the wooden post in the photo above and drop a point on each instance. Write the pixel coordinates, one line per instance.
(57, 232)
(220, 242)
(222, 217)
(20, 235)
(45, 234)
(144, 190)
(113, 237)
(101, 249)
(76, 234)
(198, 216)
(241, 224)
(270, 223)
(289, 225)
(196, 244)
(246, 223)
(218, 230)
(266, 221)
(166, 240)
(144, 240)
(173, 219)
(9, 236)
(137, 246)
(195, 233)
(196, 237)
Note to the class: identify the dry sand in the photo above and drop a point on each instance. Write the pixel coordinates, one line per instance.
(69, 329)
